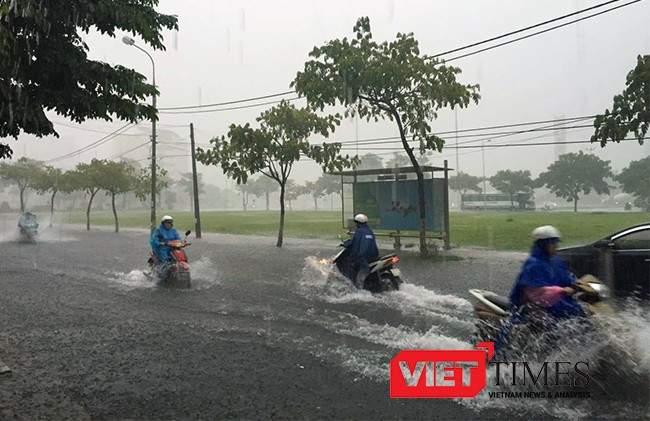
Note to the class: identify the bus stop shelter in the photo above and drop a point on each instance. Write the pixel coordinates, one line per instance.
(389, 197)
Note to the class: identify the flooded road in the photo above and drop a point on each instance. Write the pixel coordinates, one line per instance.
(263, 333)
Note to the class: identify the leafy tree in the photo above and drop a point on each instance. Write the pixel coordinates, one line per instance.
(631, 109)
(86, 178)
(576, 173)
(398, 161)
(370, 161)
(463, 183)
(388, 80)
(314, 190)
(186, 182)
(293, 192)
(635, 180)
(246, 190)
(511, 182)
(51, 180)
(142, 187)
(265, 186)
(273, 148)
(44, 63)
(24, 173)
(326, 184)
(115, 178)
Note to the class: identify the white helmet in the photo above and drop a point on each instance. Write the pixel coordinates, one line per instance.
(167, 218)
(546, 232)
(361, 218)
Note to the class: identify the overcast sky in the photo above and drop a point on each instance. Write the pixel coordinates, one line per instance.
(231, 50)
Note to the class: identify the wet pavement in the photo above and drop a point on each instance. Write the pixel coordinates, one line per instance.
(263, 333)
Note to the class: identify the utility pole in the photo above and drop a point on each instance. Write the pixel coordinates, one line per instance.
(195, 182)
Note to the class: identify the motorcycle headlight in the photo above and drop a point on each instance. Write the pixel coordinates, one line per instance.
(601, 289)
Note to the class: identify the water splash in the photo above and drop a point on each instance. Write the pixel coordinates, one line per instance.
(136, 279)
(205, 274)
(321, 280)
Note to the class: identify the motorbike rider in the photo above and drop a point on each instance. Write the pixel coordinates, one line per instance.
(165, 232)
(363, 249)
(544, 283)
(27, 220)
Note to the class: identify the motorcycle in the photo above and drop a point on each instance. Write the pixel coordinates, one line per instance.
(174, 273)
(383, 275)
(492, 310)
(28, 226)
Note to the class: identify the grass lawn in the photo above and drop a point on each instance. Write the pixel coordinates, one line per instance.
(494, 230)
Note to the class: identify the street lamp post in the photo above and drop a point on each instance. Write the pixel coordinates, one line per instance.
(131, 41)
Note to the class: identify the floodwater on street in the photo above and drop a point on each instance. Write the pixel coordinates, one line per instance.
(262, 333)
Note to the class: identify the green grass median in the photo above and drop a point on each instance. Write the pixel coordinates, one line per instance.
(493, 230)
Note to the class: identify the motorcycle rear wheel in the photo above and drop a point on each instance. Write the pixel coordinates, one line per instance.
(388, 282)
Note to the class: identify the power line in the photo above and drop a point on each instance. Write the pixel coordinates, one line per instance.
(238, 101)
(448, 51)
(503, 145)
(129, 151)
(229, 109)
(95, 144)
(532, 123)
(523, 29)
(88, 130)
(541, 32)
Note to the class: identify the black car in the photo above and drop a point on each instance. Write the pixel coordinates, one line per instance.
(621, 260)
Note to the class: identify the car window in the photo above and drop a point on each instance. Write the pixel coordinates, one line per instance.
(634, 241)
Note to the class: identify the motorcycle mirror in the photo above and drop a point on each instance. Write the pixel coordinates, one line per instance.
(188, 232)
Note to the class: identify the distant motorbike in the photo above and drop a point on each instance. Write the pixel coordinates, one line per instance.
(383, 276)
(175, 273)
(28, 226)
(491, 310)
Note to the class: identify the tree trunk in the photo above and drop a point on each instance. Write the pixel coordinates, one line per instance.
(52, 207)
(90, 202)
(424, 251)
(117, 226)
(575, 204)
(281, 230)
(315, 202)
(267, 194)
(22, 199)
(244, 202)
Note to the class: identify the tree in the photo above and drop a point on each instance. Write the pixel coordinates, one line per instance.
(635, 180)
(186, 182)
(574, 173)
(463, 183)
(51, 180)
(631, 109)
(85, 178)
(293, 192)
(142, 187)
(388, 80)
(245, 190)
(370, 161)
(115, 178)
(398, 161)
(273, 148)
(512, 182)
(24, 173)
(265, 186)
(44, 63)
